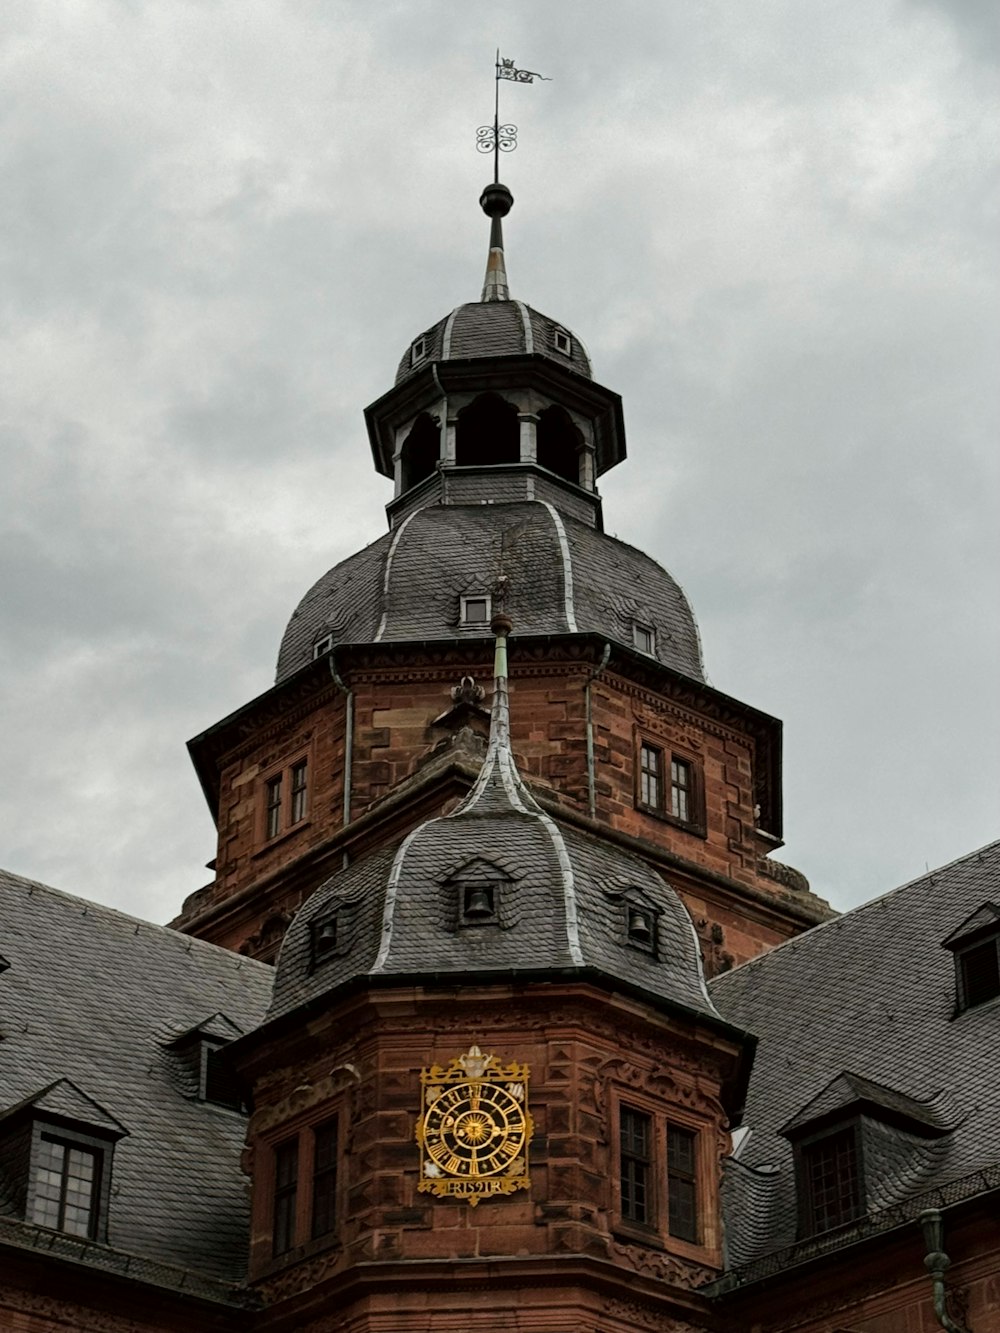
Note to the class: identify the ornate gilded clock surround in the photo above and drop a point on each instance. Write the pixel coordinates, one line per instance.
(474, 1128)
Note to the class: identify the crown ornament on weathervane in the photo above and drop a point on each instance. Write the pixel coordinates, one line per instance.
(497, 138)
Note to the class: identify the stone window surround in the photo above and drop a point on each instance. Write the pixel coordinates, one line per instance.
(285, 770)
(303, 1132)
(655, 1233)
(669, 754)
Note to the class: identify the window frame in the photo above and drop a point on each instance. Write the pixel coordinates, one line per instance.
(669, 758)
(277, 819)
(97, 1146)
(303, 1132)
(962, 954)
(640, 629)
(562, 340)
(805, 1147)
(655, 1230)
(464, 599)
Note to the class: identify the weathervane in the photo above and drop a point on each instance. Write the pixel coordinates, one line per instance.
(497, 138)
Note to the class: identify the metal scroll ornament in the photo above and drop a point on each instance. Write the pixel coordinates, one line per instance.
(491, 137)
(474, 1128)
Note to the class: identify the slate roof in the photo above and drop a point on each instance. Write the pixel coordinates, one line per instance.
(494, 329)
(407, 585)
(563, 901)
(88, 1008)
(863, 1009)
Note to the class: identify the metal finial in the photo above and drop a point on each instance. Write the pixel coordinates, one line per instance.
(496, 201)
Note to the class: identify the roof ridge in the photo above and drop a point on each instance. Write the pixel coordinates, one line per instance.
(851, 912)
(125, 918)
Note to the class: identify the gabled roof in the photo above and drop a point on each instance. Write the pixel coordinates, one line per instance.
(986, 918)
(851, 1093)
(871, 992)
(90, 1003)
(65, 1100)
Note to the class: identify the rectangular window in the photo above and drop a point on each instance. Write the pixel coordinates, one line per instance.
(286, 1186)
(324, 1202)
(635, 1144)
(644, 638)
(650, 776)
(219, 1083)
(299, 783)
(680, 789)
(682, 1190)
(980, 972)
(476, 610)
(66, 1187)
(272, 807)
(832, 1181)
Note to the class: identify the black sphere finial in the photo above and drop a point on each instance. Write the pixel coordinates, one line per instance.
(496, 200)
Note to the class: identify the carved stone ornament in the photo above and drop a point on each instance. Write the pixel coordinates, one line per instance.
(643, 1316)
(474, 1128)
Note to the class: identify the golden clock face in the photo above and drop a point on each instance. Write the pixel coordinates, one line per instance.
(474, 1129)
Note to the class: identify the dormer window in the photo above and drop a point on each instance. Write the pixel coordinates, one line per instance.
(839, 1140)
(326, 938)
(562, 341)
(979, 973)
(644, 638)
(479, 904)
(976, 948)
(641, 926)
(831, 1181)
(57, 1148)
(67, 1178)
(476, 609)
(323, 646)
(418, 350)
(218, 1083)
(478, 894)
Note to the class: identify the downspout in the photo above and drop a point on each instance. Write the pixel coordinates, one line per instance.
(591, 786)
(937, 1263)
(348, 745)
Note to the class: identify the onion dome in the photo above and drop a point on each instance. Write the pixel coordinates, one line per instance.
(497, 887)
(561, 576)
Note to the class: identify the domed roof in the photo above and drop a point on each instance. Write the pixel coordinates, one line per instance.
(494, 328)
(562, 576)
(496, 886)
(495, 325)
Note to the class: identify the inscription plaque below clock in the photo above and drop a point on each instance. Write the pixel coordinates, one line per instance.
(474, 1127)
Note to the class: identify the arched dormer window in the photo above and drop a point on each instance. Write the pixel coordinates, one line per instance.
(559, 444)
(421, 450)
(488, 433)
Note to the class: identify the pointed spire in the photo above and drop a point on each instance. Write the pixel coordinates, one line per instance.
(496, 201)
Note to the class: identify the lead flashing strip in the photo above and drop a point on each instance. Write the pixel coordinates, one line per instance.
(567, 566)
(529, 335)
(446, 337)
(388, 572)
(391, 889)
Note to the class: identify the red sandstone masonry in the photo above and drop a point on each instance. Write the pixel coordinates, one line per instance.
(394, 737)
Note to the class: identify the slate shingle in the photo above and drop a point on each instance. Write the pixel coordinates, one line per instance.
(94, 997)
(871, 993)
(446, 550)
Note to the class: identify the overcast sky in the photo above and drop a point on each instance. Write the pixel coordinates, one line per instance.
(773, 224)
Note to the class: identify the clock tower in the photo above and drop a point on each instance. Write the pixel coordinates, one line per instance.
(494, 828)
